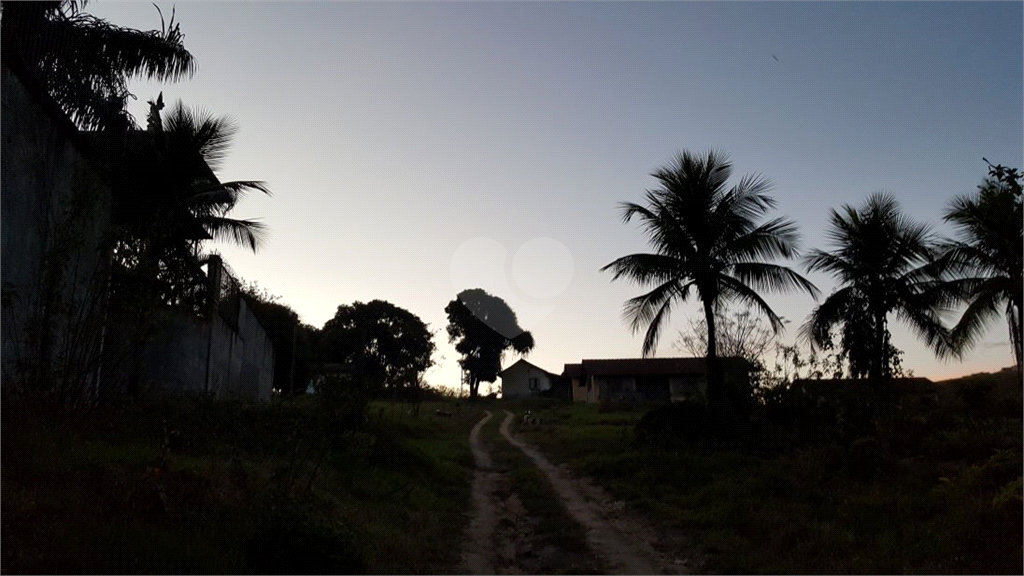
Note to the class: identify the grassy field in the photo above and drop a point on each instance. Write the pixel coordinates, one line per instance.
(203, 487)
(947, 500)
(196, 486)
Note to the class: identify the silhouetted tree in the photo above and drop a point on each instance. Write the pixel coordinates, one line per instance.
(483, 327)
(170, 201)
(707, 242)
(289, 337)
(988, 258)
(387, 347)
(739, 334)
(885, 264)
(85, 62)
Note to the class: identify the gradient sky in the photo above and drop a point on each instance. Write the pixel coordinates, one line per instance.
(418, 149)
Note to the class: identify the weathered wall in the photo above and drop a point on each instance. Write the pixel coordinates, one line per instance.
(192, 355)
(55, 210)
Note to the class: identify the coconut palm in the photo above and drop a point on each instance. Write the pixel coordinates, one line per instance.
(191, 147)
(171, 200)
(988, 260)
(85, 62)
(707, 242)
(884, 263)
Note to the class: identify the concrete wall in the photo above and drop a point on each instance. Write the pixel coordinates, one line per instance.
(187, 354)
(55, 212)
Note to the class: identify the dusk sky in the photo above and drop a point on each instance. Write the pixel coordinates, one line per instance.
(419, 149)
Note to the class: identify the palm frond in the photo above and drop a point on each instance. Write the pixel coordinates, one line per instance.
(773, 278)
(644, 268)
(249, 233)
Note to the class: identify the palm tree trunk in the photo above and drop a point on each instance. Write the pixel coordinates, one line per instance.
(714, 383)
(1016, 315)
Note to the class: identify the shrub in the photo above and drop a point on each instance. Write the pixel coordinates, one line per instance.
(673, 424)
(294, 537)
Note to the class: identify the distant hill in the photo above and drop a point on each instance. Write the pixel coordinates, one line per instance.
(1004, 388)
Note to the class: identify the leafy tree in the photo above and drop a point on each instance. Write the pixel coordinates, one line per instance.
(387, 347)
(483, 327)
(740, 334)
(885, 265)
(707, 241)
(290, 338)
(85, 62)
(987, 259)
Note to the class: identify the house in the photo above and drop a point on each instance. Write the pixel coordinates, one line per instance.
(524, 379)
(648, 379)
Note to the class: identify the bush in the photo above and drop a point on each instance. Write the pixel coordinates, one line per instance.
(293, 537)
(673, 424)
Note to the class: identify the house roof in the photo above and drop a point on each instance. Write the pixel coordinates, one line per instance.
(572, 371)
(534, 366)
(643, 366)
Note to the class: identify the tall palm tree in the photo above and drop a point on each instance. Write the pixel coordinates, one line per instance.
(884, 263)
(85, 62)
(171, 201)
(989, 262)
(707, 241)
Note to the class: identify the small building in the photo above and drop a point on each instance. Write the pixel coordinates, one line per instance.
(649, 379)
(524, 379)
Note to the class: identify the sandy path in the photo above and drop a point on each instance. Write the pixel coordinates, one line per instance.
(623, 540)
(478, 555)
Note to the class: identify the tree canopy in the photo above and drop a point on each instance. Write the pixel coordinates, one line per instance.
(708, 241)
(885, 264)
(85, 62)
(483, 327)
(987, 258)
(385, 346)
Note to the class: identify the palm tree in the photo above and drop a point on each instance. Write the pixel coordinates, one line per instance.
(989, 262)
(85, 62)
(707, 241)
(171, 201)
(885, 265)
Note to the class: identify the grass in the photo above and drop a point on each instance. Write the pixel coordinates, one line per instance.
(238, 489)
(951, 502)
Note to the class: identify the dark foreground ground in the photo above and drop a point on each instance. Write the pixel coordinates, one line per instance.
(196, 486)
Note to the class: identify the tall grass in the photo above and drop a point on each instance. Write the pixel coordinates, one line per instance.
(192, 485)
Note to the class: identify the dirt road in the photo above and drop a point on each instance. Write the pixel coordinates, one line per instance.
(478, 551)
(622, 541)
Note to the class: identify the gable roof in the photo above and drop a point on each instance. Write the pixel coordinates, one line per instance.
(529, 364)
(644, 366)
(572, 371)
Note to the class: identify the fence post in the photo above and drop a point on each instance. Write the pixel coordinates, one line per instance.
(214, 270)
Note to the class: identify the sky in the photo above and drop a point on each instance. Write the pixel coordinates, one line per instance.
(419, 149)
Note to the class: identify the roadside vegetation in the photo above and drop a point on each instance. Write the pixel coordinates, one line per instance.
(799, 493)
(202, 486)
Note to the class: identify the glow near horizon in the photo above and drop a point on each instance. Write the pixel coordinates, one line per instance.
(415, 149)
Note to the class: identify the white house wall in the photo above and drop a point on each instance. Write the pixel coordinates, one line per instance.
(515, 381)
